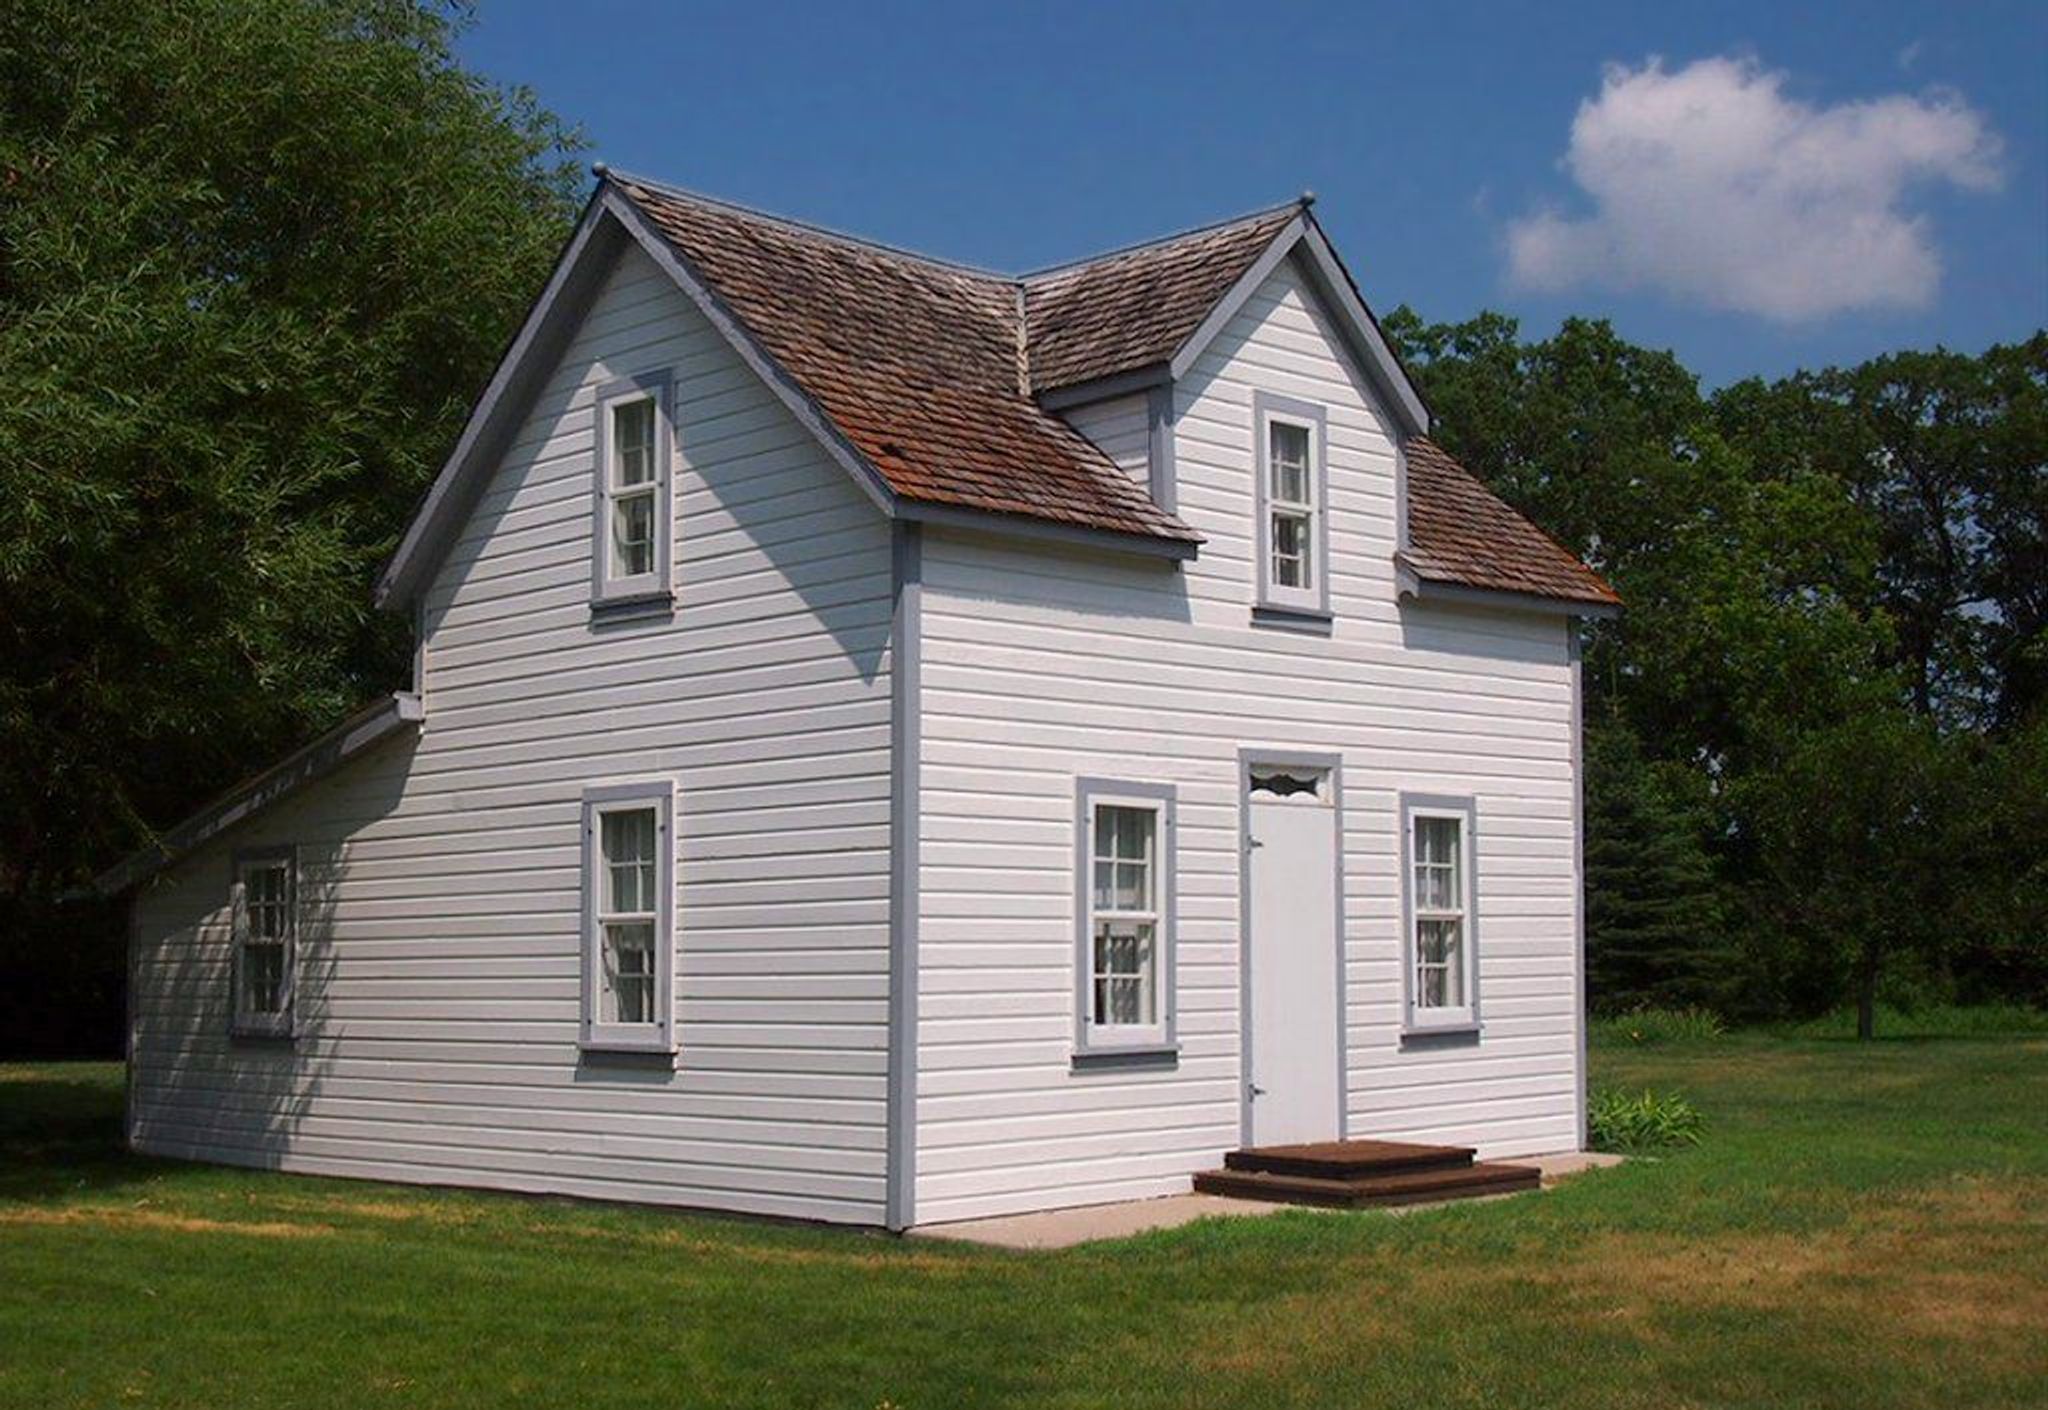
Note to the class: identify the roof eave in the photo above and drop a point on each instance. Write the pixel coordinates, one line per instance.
(1060, 531)
(399, 711)
(1421, 585)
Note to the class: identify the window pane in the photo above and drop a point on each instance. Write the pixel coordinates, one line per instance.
(1125, 974)
(633, 443)
(1439, 964)
(628, 973)
(1437, 865)
(1288, 454)
(1290, 550)
(633, 535)
(262, 978)
(628, 842)
(1123, 858)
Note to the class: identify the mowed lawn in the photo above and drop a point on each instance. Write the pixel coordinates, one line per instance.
(1865, 1226)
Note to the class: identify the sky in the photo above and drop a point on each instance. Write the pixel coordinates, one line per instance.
(1759, 187)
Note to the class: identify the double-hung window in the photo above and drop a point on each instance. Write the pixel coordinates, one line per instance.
(630, 552)
(1441, 944)
(629, 939)
(1124, 956)
(265, 941)
(1292, 535)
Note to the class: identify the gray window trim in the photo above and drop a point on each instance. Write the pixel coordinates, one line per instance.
(649, 590)
(284, 1023)
(1090, 1046)
(1413, 1024)
(1275, 605)
(660, 1036)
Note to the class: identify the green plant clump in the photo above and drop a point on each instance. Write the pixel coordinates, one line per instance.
(1643, 1027)
(1642, 1123)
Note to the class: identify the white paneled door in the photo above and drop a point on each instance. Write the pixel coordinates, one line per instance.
(1293, 1077)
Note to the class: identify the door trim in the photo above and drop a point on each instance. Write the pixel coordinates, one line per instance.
(1249, 757)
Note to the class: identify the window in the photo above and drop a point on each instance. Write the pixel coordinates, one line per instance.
(630, 553)
(1124, 954)
(629, 947)
(1442, 979)
(1292, 538)
(265, 930)
(1290, 512)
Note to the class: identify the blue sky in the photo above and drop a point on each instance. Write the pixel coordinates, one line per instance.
(1758, 186)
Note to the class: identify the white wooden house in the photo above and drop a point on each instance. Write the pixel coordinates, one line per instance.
(893, 743)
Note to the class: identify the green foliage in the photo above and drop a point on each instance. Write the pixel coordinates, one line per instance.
(256, 256)
(1650, 1027)
(1929, 1021)
(1814, 737)
(1657, 930)
(1641, 1123)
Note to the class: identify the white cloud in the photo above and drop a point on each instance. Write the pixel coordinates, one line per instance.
(1710, 184)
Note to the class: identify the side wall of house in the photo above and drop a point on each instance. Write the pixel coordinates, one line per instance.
(1038, 668)
(439, 959)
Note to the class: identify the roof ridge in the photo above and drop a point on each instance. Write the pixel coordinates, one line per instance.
(1298, 203)
(804, 227)
(827, 232)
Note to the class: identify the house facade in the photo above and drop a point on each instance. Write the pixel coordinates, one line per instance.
(893, 743)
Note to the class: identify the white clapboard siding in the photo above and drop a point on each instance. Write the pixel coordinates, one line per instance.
(1121, 427)
(438, 977)
(1038, 666)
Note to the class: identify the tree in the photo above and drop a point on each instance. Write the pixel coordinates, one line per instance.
(1657, 930)
(256, 257)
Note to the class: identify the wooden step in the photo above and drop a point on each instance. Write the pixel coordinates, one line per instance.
(1349, 1160)
(1405, 1187)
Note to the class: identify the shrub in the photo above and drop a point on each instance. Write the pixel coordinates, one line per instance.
(1645, 1027)
(1930, 1021)
(1639, 1123)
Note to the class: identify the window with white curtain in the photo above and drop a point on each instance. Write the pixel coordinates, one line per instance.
(629, 947)
(265, 906)
(1441, 950)
(1123, 958)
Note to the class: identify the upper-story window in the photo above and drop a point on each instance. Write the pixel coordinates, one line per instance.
(1292, 535)
(630, 551)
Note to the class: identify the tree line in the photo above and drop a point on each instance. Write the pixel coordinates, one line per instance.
(1817, 737)
(258, 256)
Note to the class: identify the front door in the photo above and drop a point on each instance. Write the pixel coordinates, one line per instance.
(1293, 1077)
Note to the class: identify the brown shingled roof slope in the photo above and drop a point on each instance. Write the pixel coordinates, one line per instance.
(928, 369)
(916, 363)
(1135, 308)
(1460, 532)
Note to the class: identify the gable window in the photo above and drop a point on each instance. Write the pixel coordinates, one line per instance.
(630, 552)
(1441, 943)
(265, 905)
(628, 933)
(1124, 903)
(1292, 538)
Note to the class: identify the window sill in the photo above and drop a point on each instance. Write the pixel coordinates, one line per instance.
(1131, 1055)
(263, 1035)
(625, 1052)
(1467, 1028)
(1316, 621)
(638, 607)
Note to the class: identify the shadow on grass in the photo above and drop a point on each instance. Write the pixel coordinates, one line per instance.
(61, 1134)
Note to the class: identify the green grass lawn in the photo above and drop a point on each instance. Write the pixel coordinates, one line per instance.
(1864, 1226)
